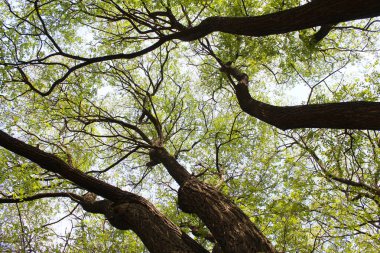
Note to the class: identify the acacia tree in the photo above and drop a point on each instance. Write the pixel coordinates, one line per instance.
(98, 94)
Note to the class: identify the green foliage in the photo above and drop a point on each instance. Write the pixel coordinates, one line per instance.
(273, 176)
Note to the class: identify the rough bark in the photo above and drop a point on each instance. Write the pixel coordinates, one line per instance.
(176, 170)
(123, 209)
(315, 13)
(158, 233)
(344, 115)
(54, 164)
(230, 227)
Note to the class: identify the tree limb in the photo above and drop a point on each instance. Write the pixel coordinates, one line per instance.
(72, 196)
(316, 13)
(123, 209)
(344, 115)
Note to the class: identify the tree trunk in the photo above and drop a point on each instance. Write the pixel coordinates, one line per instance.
(157, 233)
(124, 210)
(230, 227)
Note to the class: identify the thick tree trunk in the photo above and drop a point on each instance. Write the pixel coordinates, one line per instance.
(231, 228)
(315, 13)
(158, 233)
(123, 209)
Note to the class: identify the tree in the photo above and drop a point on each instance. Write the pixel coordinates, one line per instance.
(123, 108)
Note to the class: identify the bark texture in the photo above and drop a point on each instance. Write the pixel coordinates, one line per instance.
(345, 115)
(230, 227)
(158, 233)
(124, 210)
(315, 13)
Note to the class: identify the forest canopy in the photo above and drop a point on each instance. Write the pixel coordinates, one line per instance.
(192, 126)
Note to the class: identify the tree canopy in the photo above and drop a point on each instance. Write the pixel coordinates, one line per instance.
(191, 126)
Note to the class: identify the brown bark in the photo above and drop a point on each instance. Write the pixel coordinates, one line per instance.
(315, 13)
(344, 115)
(54, 164)
(158, 233)
(123, 209)
(176, 170)
(230, 227)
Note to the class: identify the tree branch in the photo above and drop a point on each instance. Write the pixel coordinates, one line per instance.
(316, 13)
(54, 164)
(322, 32)
(344, 115)
(123, 209)
(72, 196)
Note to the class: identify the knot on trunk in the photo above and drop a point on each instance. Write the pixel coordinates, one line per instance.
(89, 197)
(154, 158)
(241, 77)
